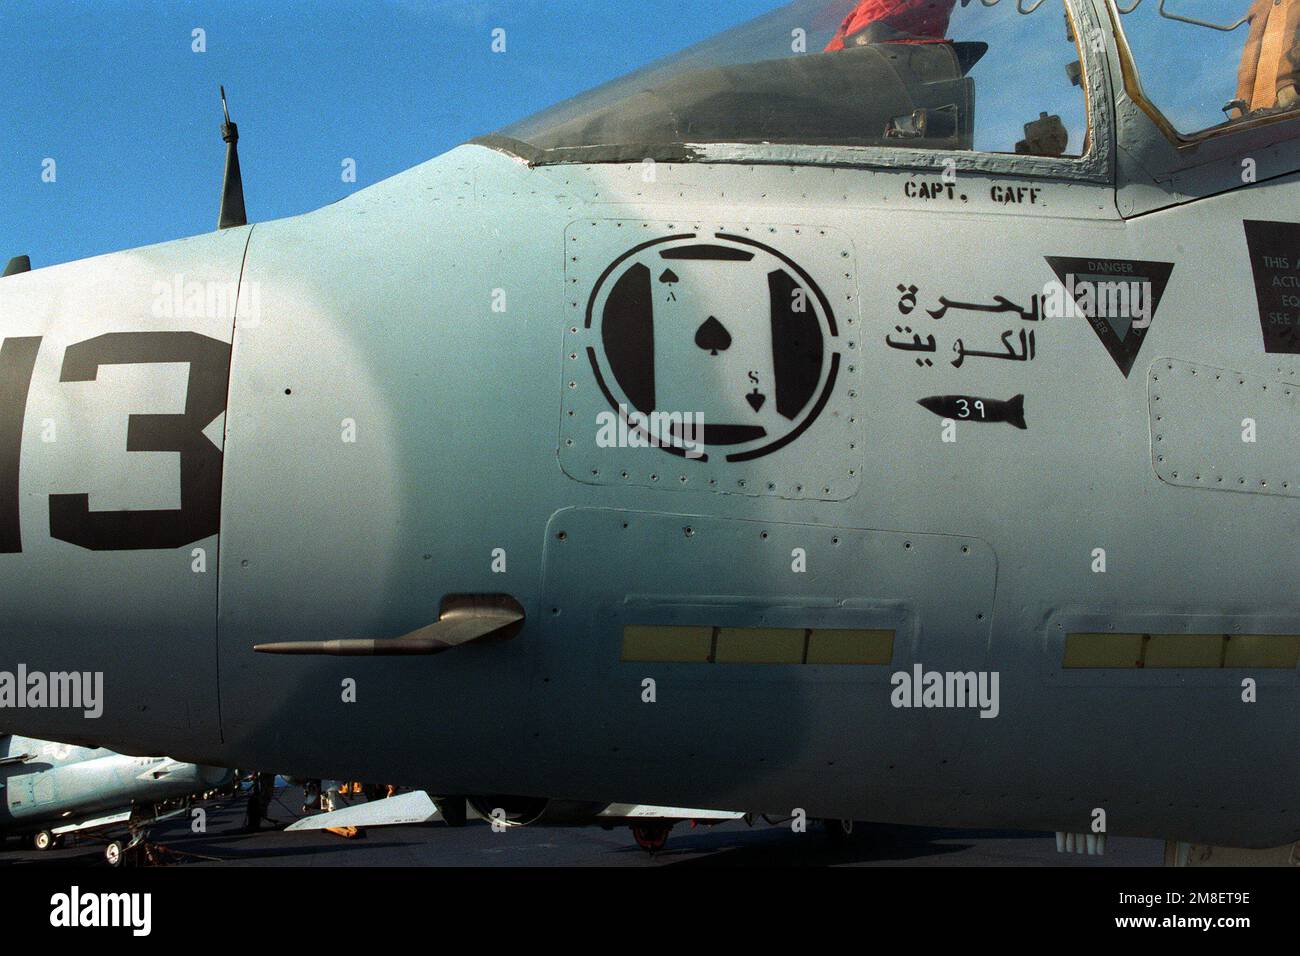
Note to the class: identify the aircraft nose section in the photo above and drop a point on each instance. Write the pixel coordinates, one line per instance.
(115, 375)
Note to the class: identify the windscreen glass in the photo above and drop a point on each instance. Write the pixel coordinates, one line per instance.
(1206, 64)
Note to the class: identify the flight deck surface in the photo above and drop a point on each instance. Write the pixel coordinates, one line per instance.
(728, 844)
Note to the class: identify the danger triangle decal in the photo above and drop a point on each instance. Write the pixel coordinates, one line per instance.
(1117, 297)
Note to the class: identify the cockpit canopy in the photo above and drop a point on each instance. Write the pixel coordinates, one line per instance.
(994, 76)
(816, 99)
(847, 73)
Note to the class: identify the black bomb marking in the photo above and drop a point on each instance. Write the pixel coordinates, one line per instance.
(735, 332)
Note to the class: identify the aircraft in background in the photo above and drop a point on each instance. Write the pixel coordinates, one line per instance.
(345, 814)
(49, 790)
(890, 422)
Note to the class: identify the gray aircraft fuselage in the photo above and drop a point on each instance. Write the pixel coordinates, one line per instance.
(319, 427)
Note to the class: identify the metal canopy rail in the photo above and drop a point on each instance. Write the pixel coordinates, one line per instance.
(1168, 15)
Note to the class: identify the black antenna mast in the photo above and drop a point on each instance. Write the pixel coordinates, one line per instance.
(232, 184)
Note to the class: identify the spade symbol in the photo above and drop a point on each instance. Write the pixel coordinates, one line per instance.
(713, 335)
(669, 278)
(756, 400)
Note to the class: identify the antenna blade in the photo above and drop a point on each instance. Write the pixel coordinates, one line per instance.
(232, 192)
(232, 184)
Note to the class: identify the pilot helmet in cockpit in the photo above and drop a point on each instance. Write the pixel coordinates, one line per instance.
(894, 21)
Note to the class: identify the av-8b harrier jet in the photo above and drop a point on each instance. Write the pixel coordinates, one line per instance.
(49, 789)
(775, 429)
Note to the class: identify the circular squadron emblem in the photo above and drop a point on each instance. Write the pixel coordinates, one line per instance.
(713, 345)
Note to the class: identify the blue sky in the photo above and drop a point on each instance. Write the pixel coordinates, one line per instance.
(112, 91)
